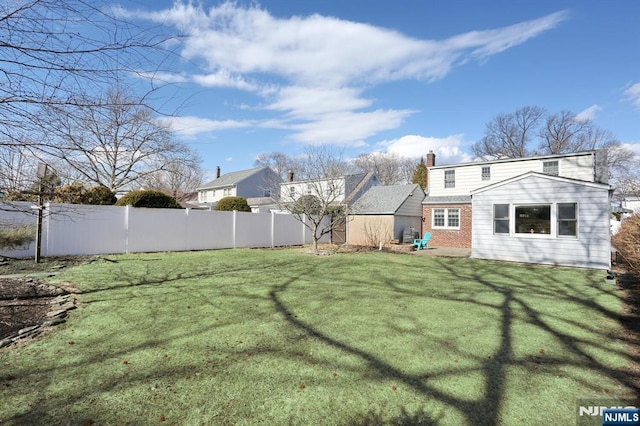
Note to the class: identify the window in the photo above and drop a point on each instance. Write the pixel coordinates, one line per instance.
(227, 192)
(309, 188)
(267, 193)
(567, 219)
(449, 178)
(438, 218)
(292, 191)
(453, 218)
(550, 167)
(486, 173)
(446, 218)
(501, 218)
(533, 219)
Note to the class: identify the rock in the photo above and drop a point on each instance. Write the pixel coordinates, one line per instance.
(27, 329)
(57, 313)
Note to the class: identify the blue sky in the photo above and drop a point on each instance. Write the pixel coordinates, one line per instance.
(407, 76)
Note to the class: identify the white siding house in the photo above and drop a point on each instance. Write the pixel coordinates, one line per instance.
(460, 179)
(257, 182)
(339, 189)
(538, 218)
(458, 209)
(447, 207)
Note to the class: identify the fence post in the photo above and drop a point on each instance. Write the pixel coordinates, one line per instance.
(234, 228)
(273, 229)
(126, 228)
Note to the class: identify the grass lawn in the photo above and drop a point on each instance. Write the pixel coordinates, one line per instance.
(281, 337)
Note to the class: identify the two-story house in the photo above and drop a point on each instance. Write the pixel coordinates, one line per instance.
(551, 209)
(336, 191)
(256, 182)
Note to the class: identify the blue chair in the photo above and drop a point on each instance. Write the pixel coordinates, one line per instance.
(422, 244)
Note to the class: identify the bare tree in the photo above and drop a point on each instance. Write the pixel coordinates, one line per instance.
(17, 169)
(115, 142)
(509, 135)
(179, 176)
(279, 162)
(512, 136)
(564, 133)
(52, 50)
(387, 166)
(317, 198)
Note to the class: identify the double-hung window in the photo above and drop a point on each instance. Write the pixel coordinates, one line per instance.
(501, 218)
(567, 215)
(486, 173)
(449, 178)
(550, 167)
(446, 219)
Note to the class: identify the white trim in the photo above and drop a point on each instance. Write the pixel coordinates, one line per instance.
(446, 218)
(542, 176)
(553, 222)
(512, 160)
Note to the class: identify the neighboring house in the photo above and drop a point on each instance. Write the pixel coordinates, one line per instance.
(630, 202)
(340, 190)
(535, 209)
(263, 205)
(257, 182)
(382, 214)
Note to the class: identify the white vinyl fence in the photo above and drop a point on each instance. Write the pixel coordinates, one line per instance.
(86, 230)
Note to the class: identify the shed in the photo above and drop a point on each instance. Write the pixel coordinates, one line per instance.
(383, 212)
(539, 218)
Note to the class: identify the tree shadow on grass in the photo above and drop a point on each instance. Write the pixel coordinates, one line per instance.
(513, 305)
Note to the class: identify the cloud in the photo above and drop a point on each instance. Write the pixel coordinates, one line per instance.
(315, 69)
(312, 50)
(189, 126)
(589, 113)
(347, 128)
(633, 146)
(632, 94)
(224, 79)
(447, 149)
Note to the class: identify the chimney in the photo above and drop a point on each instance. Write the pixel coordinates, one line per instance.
(217, 172)
(290, 176)
(431, 159)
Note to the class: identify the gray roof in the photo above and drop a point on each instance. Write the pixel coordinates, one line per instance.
(454, 199)
(384, 199)
(229, 179)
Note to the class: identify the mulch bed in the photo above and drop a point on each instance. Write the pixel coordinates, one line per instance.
(24, 302)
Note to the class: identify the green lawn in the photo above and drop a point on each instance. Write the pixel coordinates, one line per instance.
(282, 337)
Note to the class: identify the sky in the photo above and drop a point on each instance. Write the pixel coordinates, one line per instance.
(404, 77)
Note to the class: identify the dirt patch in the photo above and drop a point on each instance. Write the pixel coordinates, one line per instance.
(25, 300)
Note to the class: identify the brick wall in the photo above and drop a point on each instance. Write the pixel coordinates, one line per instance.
(446, 237)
